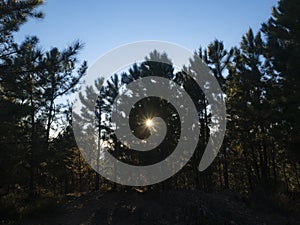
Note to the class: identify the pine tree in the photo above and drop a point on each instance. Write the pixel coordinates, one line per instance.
(247, 128)
(13, 143)
(282, 50)
(31, 81)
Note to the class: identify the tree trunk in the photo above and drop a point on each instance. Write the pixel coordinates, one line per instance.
(225, 167)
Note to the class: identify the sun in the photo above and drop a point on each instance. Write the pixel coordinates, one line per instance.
(149, 123)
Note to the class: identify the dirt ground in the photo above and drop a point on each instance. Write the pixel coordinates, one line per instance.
(172, 207)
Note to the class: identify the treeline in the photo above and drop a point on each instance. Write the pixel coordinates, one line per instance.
(260, 79)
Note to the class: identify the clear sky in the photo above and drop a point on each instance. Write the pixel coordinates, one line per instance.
(103, 25)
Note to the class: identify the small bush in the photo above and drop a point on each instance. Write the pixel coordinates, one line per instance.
(17, 206)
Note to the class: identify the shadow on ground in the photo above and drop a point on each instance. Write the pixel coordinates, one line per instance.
(172, 207)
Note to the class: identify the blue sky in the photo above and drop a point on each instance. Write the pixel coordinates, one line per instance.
(103, 25)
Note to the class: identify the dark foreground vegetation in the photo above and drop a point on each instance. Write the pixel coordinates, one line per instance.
(168, 207)
(255, 178)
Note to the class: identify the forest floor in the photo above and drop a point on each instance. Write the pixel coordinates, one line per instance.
(172, 207)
